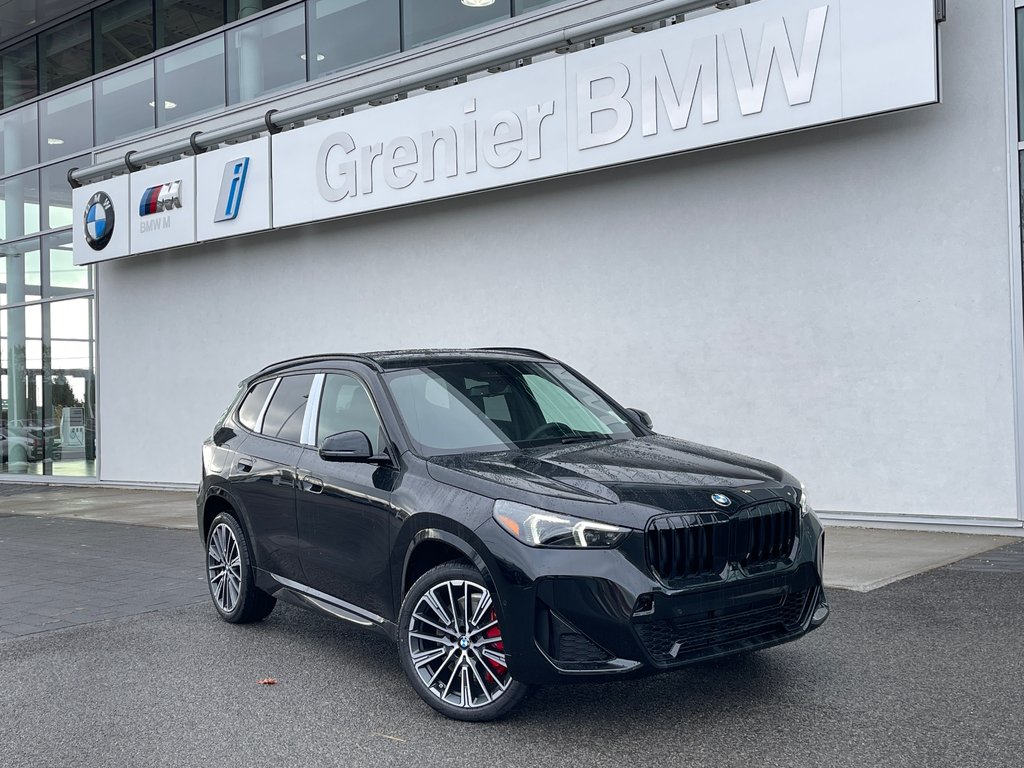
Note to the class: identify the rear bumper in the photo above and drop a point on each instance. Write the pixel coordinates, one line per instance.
(605, 616)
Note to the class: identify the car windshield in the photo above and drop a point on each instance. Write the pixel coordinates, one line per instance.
(493, 405)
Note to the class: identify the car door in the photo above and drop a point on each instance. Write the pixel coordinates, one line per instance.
(263, 477)
(344, 507)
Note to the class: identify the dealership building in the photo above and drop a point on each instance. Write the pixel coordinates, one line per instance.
(789, 228)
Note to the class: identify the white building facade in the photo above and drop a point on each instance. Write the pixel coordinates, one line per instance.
(789, 228)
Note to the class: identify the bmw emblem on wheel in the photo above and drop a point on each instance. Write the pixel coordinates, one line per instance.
(721, 499)
(99, 221)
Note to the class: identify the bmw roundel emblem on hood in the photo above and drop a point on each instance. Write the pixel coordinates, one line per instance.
(721, 499)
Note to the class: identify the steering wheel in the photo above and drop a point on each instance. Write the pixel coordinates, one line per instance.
(549, 429)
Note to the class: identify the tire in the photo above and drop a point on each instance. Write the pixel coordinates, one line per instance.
(460, 674)
(233, 587)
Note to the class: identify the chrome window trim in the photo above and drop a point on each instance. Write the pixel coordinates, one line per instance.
(311, 416)
(266, 404)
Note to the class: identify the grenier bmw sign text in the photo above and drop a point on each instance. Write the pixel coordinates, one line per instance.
(756, 70)
(607, 109)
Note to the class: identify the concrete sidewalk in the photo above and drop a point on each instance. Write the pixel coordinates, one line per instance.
(859, 559)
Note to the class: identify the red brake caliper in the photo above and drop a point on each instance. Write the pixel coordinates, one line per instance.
(499, 646)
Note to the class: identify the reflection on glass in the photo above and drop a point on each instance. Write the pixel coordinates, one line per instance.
(522, 6)
(347, 32)
(63, 277)
(19, 272)
(65, 54)
(190, 81)
(18, 73)
(65, 123)
(266, 54)
(19, 143)
(19, 205)
(124, 32)
(239, 9)
(124, 103)
(426, 20)
(47, 389)
(184, 19)
(56, 193)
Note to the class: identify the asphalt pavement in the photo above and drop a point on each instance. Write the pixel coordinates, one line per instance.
(927, 671)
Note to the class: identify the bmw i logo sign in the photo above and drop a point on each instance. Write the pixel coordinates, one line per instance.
(99, 221)
(721, 499)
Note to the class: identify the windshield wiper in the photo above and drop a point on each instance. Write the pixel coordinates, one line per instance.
(585, 438)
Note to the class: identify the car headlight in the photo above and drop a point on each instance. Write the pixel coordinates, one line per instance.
(539, 528)
(805, 508)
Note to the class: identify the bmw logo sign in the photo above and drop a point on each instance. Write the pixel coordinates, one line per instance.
(99, 221)
(721, 499)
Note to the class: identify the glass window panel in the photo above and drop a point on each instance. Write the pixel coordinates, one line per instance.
(18, 73)
(427, 20)
(56, 193)
(287, 408)
(190, 81)
(65, 53)
(124, 103)
(20, 276)
(239, 9)
(124, 32)
(252, 406)
(47, 388)
(63, 277)
(182, 20)
(524, 6)
(65, 123)
(19, 139)
(266, 55)
(346, 32)
(19, 205)
(1020, 73)
(346, 405)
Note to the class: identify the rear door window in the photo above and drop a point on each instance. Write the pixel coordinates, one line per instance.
(287, 408)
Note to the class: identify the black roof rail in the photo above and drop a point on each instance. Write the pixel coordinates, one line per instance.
(518, 350)
(321, 358)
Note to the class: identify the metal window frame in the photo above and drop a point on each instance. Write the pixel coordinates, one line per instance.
(1014, 149)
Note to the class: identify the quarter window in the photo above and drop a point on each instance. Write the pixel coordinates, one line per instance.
(346, 406)
(250, 409)
(287, 408)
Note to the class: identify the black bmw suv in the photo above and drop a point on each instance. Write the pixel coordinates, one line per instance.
(501, 519)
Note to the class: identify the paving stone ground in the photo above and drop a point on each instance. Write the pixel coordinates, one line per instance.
(57, 572)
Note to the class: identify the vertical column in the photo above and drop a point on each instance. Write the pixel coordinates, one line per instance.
(14, 219)
(250, 62)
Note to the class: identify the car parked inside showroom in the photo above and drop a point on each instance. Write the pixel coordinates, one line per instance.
(500, 518)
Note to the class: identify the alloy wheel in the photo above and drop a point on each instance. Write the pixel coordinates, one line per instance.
(224, 568)
(456, 645)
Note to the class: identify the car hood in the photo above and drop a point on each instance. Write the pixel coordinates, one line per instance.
(656, 472)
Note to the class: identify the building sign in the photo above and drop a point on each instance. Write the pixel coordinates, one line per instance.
(233, 190)
(757, 70)
(163, 214)
(101, 220)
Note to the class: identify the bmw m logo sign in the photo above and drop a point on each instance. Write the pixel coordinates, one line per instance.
(99, 221)
(162, 197)
(721, 499)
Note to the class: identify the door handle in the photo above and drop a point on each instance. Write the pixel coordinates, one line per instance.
(244, 465)
(312, 484)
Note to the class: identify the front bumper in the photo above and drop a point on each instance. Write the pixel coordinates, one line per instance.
(595, 614)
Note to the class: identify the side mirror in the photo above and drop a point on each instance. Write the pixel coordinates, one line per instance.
(642, 416)
(346, 446)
